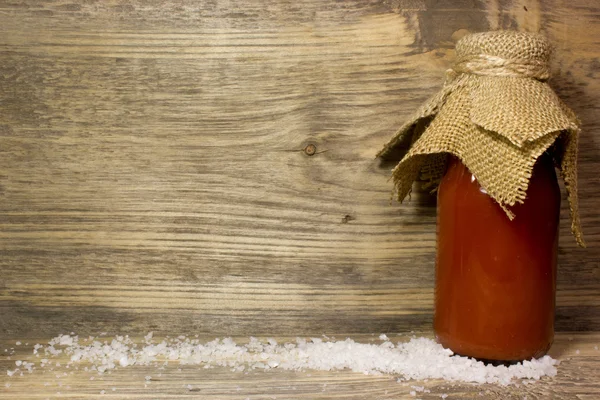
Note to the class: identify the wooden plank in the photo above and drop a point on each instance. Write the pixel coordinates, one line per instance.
(210, 308)
(154, 176)
(153, 172)
(577, 379)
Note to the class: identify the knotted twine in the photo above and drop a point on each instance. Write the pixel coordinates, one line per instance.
(497, 114)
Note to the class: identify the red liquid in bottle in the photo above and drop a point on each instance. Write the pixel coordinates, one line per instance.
(496, 278)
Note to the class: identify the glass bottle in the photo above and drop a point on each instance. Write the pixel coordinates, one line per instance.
(496, 278)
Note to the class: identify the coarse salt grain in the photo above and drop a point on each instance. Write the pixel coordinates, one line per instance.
(421, 389)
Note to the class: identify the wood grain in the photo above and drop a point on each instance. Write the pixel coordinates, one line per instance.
(153, 172)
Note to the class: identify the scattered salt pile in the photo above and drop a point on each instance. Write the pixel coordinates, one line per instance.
(418, 359)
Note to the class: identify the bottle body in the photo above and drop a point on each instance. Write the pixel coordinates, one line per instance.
(496, 278)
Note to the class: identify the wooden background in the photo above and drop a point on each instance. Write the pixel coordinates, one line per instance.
(155, 167)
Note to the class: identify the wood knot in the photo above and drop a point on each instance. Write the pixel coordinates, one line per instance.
(347, 218)
(310, 150)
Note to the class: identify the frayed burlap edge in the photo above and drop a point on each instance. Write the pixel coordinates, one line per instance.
(499, 142)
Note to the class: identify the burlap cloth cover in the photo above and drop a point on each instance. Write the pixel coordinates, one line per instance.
(498, 115)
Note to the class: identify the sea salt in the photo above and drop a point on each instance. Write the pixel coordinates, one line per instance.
(417, 359)
(421, 389)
